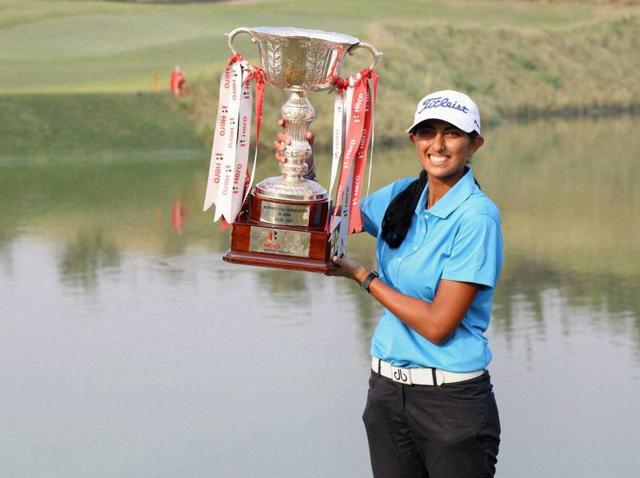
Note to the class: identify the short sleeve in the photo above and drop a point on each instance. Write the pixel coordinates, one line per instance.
(476, 253)
(373, 207)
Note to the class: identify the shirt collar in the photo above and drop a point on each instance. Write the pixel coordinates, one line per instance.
(451, 200)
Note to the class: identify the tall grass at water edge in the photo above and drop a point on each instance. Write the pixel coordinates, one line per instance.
(512, 73)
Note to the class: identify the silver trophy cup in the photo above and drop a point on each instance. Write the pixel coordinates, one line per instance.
(299, 60)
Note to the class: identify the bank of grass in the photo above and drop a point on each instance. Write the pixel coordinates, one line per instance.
(517, 72)
(590, 69)
(89, 125)
(99, 46)
(517, 58)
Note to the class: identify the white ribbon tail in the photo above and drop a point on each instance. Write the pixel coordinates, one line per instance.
(373, 137)
(338, 137)
(217, 153)
(224, 196)
(242, 149)
(343, 232)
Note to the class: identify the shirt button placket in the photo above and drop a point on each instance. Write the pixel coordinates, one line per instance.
(423, 227)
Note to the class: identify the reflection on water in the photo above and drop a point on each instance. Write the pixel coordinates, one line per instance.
(185, 357)
(86, 255)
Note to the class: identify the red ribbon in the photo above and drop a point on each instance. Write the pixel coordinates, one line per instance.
(231, 60)
(257, 75)
(355, 218)
(341, 83)
(352, 138)
(356, 144)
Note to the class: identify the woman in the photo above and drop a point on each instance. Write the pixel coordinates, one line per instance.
(430, 408)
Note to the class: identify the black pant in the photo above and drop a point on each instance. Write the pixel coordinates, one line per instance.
(420, 431)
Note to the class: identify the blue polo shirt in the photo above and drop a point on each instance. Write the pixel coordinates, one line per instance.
(458, 239)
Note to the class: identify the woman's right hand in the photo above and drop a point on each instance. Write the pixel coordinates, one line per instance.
(283, 140)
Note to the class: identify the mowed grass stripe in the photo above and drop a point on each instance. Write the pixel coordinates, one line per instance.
(98, 44)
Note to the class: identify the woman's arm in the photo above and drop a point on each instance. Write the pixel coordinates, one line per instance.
(436, 320)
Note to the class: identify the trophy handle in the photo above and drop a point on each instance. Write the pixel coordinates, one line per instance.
(232, 35)
(375, 54)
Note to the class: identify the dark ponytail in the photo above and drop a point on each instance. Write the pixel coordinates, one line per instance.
(397, 217)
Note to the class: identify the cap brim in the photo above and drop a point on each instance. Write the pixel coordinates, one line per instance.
(422, 120)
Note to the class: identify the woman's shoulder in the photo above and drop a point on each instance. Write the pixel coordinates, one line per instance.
(478, 203)
(392, 189)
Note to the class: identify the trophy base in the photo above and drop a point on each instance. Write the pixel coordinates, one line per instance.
(289, 263)
(279, 248)
(282, 234)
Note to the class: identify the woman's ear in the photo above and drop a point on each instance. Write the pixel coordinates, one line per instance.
(412, 138)
(476, 144)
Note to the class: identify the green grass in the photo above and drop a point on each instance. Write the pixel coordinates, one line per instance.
(510, 72)
(66, 125)
(514, 57)
(70, 46)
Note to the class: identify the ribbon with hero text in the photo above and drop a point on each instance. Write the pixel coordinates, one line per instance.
(359, 99)
(228, 176)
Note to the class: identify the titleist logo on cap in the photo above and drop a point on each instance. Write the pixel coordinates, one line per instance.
(442, 102)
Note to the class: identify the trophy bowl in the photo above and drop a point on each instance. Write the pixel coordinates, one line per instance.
(297, 59)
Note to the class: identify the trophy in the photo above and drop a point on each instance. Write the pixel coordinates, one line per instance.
(288, 221)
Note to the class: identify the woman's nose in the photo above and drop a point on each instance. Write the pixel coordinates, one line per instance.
(438, 142)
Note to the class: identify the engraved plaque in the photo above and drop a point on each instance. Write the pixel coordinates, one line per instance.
(284, 214)
(279, 241)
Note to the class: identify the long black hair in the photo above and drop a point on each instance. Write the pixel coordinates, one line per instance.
(397, 217)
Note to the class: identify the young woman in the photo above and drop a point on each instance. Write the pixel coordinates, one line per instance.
(430, 408)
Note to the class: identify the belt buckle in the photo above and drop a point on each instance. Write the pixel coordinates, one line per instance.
(401, 375)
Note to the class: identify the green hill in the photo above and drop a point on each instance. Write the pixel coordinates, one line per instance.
(81, 76)
(589, 69)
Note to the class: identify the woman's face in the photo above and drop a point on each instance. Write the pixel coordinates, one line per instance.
(443, 149)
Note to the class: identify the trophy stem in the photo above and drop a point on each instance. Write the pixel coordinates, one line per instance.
(298, 115)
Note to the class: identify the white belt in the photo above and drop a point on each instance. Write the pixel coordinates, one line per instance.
(420, 376)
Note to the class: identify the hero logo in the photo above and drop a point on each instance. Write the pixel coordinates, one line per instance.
(244, 130)
(356, 109)
(222, 122)
(358, 105)
(236, 179)
(234, 87)
(218, 168)
(227, 78)
(272, 243)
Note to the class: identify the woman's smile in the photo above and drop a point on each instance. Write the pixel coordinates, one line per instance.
(437, 159)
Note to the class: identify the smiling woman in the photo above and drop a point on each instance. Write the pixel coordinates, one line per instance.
(430, 408)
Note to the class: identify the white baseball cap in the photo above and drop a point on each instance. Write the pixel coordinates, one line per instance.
(450, 106)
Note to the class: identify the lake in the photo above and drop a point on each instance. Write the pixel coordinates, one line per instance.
(130, 349)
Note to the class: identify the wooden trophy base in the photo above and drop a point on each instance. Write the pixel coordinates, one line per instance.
(282, 234)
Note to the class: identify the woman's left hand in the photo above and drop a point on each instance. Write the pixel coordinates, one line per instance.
(347, 268)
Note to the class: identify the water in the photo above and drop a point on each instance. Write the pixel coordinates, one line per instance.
(130, 349)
